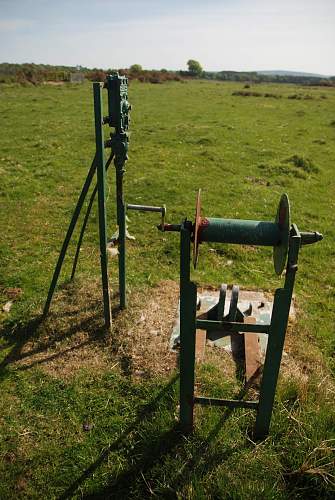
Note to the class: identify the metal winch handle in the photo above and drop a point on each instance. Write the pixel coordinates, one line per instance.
(148, 208)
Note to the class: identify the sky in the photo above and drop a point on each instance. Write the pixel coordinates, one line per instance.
(239, 35)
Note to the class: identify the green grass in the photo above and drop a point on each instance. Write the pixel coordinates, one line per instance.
(244, 152)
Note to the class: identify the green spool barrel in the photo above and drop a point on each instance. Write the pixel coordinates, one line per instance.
(239, 231)
(246, 232)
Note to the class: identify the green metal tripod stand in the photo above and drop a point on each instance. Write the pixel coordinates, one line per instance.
(118, 118)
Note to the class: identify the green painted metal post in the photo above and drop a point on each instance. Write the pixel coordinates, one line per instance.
(101, 183)
(121, 220)
(276, 339)
(69, 233)
(119, 144)
(118, 117)
(188, 305)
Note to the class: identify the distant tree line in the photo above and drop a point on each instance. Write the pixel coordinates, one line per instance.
(254, 77)
(35, 74)
(30, 73)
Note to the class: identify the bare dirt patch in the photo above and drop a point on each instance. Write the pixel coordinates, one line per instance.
(73, 338)
(144, 331)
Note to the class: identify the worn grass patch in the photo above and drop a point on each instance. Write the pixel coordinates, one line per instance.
(294, 166)
(72, 338)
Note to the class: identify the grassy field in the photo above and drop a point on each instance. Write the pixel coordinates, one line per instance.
(88, 416)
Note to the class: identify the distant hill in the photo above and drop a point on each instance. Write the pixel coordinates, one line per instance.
(291, 73)
(275, 76)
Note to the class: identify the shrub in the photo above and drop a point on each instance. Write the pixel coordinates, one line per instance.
(155, 79)
(194, 68)
(302, 163)
(275, 96)
(96, 75)
(246, 93)
(136, 68)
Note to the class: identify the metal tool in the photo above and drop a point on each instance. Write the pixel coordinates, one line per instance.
(286, 240)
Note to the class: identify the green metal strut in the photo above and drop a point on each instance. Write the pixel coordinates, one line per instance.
(85, 221)
(101, 183)
(276, 339)
(68, 235)
(188, 306)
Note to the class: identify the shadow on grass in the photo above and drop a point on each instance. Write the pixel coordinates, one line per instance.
(17, 336)
(170, 439)
(150, 452)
